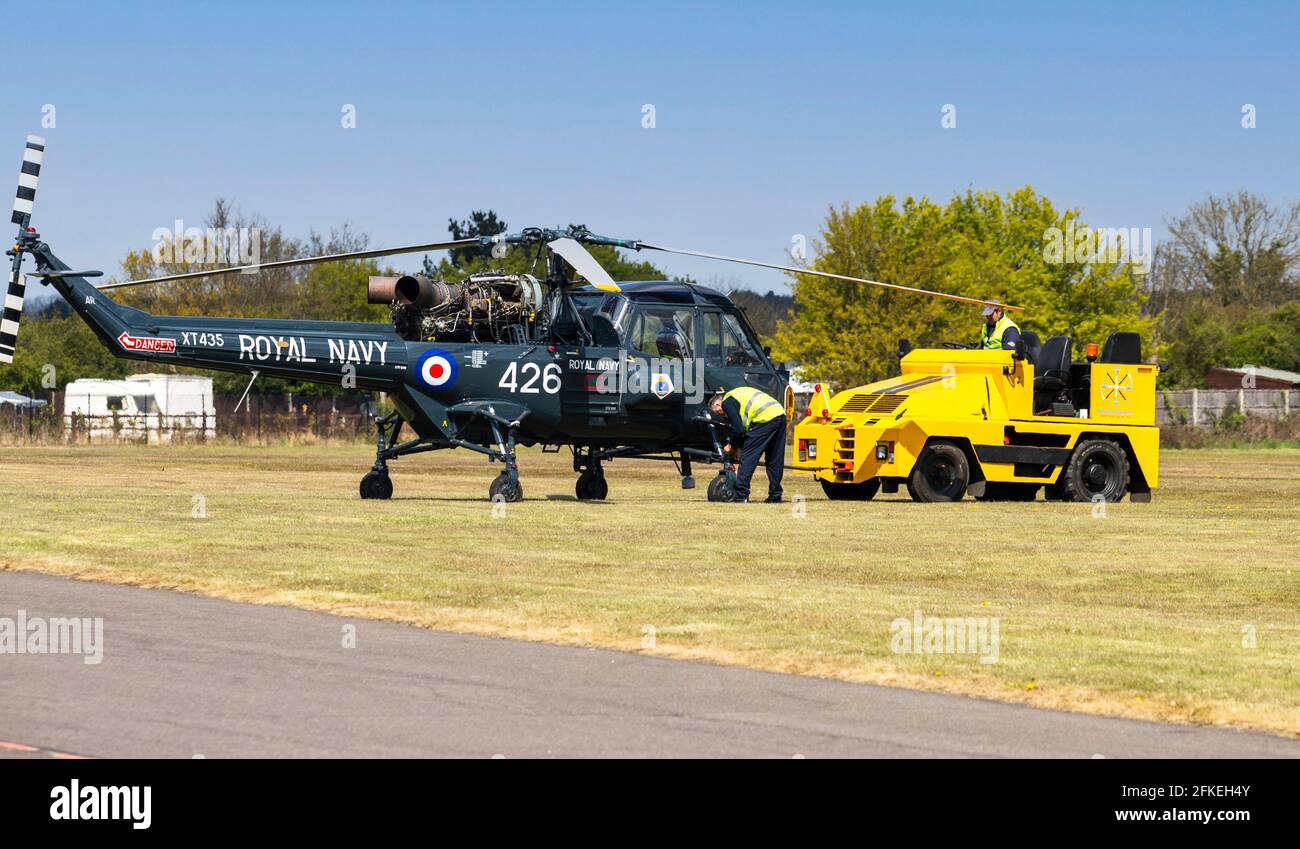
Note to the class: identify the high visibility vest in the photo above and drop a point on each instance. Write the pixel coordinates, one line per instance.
(756, 406)
(992, 340)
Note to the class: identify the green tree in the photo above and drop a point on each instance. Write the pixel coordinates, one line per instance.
(1225, 287)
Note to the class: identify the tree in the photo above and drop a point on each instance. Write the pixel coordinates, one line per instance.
(981, 245)
(480, 223)
(1225, 287)
(764, 312)
(266, 294)
(1236, 251)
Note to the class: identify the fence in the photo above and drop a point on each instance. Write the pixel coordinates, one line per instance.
(261, 418)
(1207, 407)
(273, 418)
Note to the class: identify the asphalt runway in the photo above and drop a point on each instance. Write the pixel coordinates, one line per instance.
(184, 676)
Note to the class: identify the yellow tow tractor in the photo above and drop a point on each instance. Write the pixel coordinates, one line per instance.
(994, 424)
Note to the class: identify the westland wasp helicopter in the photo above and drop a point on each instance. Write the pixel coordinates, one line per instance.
(490, 363)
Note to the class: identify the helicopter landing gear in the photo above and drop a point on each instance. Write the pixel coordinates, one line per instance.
(505, 489)
(723, 487)
(377, 485)
(506, 486)
(591, 485)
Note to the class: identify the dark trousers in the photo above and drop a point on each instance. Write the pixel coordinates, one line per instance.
(765, 440)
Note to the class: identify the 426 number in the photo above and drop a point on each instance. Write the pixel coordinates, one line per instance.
(524, 379)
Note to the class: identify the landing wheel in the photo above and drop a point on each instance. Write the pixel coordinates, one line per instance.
(941, 474)
(864, 491)
(721, 488)
(502, 487)
(592, 486)
(1098, 471)
(377, 485)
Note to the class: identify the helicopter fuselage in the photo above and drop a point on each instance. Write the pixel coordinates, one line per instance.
(640, 390)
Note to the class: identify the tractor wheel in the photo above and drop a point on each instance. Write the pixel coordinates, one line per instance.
(941, 474)
(864, 491)
(720, 489)
(377, 485)
(591, 486)
(1097, 471)
(997, 491)
(501, 487)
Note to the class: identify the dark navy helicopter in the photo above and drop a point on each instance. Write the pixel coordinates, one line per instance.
(573, 359)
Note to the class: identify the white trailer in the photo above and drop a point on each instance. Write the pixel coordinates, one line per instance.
(153, 407)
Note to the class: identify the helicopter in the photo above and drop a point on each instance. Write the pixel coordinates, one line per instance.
(492, 363)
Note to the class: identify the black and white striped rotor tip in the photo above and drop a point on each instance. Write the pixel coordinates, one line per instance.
(27, 179)
(13, 311)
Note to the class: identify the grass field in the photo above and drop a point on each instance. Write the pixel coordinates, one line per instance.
(1186, 609)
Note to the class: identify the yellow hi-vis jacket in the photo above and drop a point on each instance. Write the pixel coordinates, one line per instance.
(992, 340)
(756, 406)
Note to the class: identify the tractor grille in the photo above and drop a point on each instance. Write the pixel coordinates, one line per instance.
(873, 402)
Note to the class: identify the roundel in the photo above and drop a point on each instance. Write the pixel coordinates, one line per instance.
(436, 369)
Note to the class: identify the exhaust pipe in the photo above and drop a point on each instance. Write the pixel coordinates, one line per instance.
(381, 290)
(413, 290)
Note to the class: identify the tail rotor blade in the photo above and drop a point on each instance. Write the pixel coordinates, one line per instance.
(23, 202)
(13, 312)
(794, 270)
(27, 179)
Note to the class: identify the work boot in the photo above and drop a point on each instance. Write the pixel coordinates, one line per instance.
(772, 499)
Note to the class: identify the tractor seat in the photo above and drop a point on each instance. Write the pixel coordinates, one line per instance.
(1122, 347)
(1052, 372)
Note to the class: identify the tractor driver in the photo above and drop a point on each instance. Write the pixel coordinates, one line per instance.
(757, 423)
(999, 331)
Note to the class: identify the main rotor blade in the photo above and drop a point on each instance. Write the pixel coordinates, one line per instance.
(584, 263)
(309, 260)
(793, 270)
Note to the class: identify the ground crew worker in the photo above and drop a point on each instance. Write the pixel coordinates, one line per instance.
(1000, 333)
(757, 423)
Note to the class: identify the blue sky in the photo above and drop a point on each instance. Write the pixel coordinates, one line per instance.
(766, 114)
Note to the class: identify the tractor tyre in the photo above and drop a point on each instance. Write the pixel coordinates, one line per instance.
(942, 473)
(1098, 471)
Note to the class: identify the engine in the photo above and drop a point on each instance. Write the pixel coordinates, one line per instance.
(485, 307)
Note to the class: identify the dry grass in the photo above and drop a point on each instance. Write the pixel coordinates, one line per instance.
(1142, 612)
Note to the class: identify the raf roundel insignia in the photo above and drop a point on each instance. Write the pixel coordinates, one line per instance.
(436, 369)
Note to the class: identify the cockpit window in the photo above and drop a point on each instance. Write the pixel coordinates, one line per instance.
(726, 342)
(663, 331)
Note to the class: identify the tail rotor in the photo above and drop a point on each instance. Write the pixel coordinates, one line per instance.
(22, 216)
